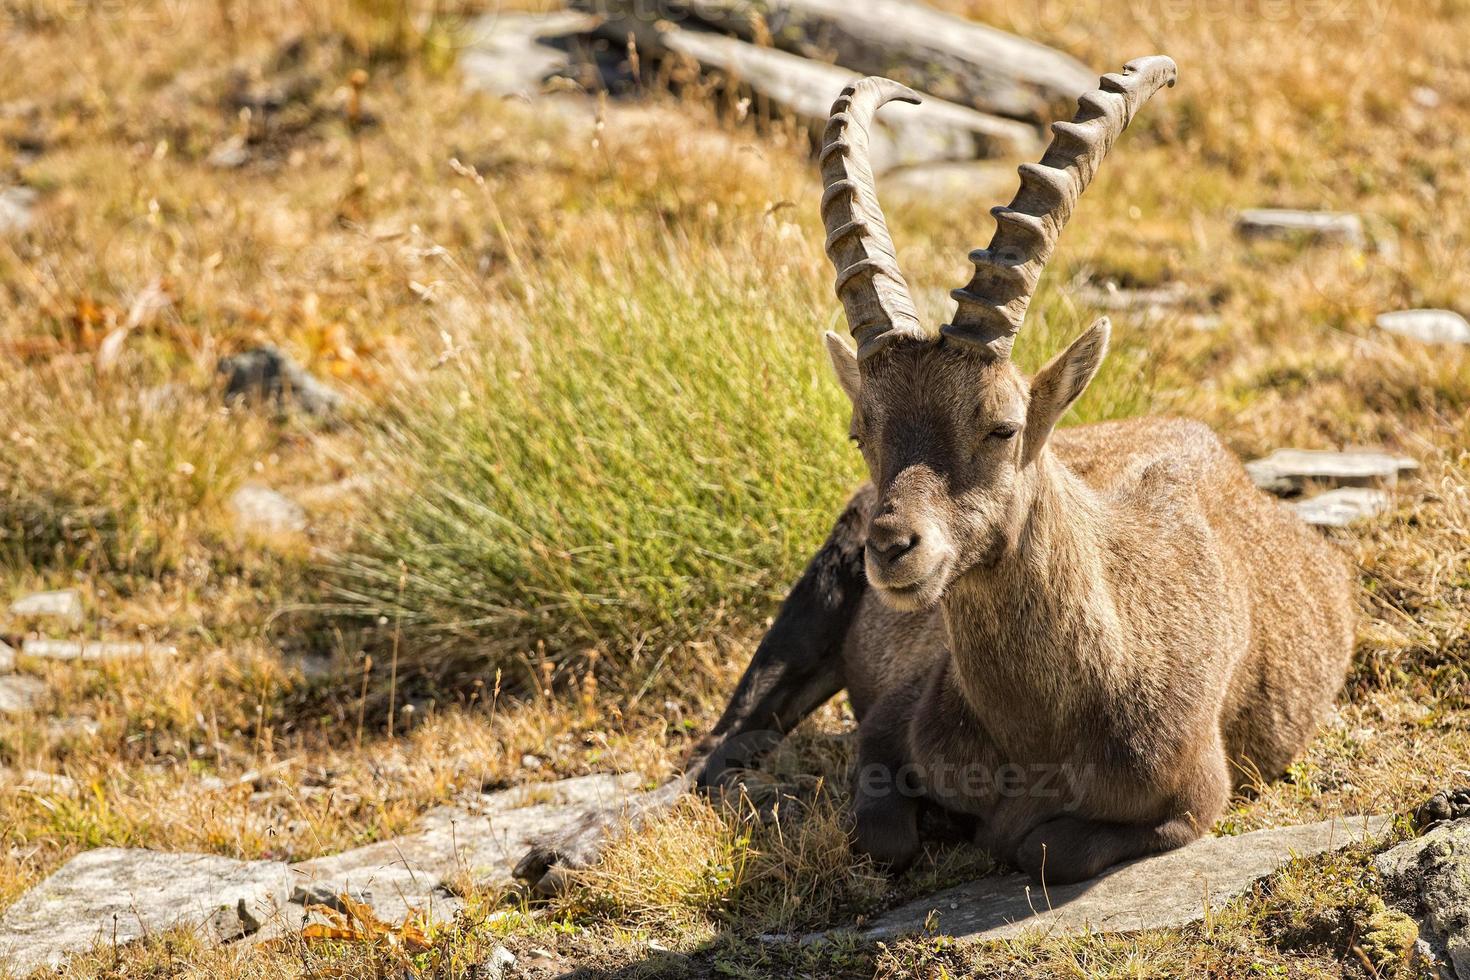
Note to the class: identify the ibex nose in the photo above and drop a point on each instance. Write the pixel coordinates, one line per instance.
(888, 544)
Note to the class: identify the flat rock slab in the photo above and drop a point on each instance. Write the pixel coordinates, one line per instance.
(261, 510)
(1433, 871)
(1115, 298)
(1429, 326)
(38, 783)
(47, 649)
(1160, 892)
(122, 894)
(1341, 507)
(479, 840)
(1316, 227)
(64, 606)
(15, 209)
(1292, 470)
(513, 54)
(19, 694)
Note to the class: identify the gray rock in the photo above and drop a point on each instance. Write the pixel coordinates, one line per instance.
(15, 209)
(1316, 227)
(261, 510)
(1433, 871)
(954, 59)
(39, 783)
(232, 154)
(121, 894)
(903, 135)
(47, 649)
(73, 726)
(1114, 298)
(1292, 470)
(1160, 892)
(499, 964)
(268, 375)
(1341, 507)
(517, 54)
(7, 658)
(1429, 326)
(975, 182)
(20, 694)
(1425, 97)
(479, 839)
(63, 606)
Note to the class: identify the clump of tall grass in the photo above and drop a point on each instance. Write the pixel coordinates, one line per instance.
(642, 459)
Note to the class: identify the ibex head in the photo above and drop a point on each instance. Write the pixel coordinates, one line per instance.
(949, 427)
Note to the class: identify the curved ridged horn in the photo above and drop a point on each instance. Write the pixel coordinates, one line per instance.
(869, 282)
(993, 305)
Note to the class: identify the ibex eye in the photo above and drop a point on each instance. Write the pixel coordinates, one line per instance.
(1002, 432)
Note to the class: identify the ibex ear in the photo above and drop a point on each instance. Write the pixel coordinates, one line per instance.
(844, 365)
(1059, 384)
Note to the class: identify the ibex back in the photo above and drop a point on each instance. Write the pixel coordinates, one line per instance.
(1079, 641)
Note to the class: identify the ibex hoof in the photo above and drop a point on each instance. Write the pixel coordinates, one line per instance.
(1058, 853)
(888, 834)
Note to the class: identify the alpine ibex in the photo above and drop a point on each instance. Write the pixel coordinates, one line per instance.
(1079, 641)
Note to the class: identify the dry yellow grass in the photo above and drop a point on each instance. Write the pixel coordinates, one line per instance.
(363, 252)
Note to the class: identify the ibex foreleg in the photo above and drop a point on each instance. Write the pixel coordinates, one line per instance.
(796, 667)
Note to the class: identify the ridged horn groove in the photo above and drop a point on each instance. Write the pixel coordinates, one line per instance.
(992, 306)
(869, 283)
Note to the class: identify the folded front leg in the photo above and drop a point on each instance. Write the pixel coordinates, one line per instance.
(1072, 848)
(887, 787)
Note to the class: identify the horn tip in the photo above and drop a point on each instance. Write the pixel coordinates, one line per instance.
(888, 90)
(1159, 65)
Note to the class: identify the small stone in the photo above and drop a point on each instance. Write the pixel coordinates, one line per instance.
(116, 894)
(1114, 298)
(15, 209)
(266, 374)
(1341, 507)
(529, 761)
(64, 605)
(73, 726)
(39, 783)
(1317, 227)
(229, 155)
(20, 694)
(1425, 97)
(1291, 470)
(47, 649)
(7, 658)
(261, 510)
(1442, 806)
(1429, 326)
(500, 962)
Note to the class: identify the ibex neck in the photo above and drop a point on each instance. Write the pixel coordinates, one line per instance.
(1039, 624)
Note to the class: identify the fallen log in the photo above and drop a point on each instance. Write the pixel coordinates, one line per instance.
(955, 59)
(904, 135)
